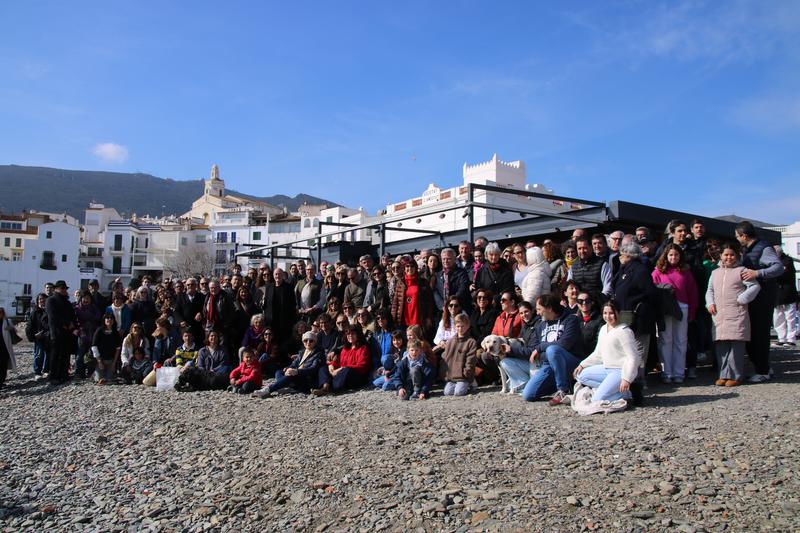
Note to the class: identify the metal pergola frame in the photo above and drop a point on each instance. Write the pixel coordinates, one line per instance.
(597, 214)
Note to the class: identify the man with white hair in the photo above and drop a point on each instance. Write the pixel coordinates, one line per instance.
(451, 280)
(614, 242)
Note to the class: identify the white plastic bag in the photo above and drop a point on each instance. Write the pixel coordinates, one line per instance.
(167, 377)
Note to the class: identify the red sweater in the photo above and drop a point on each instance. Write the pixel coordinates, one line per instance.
(356, 358)
(244, 373)
(508, 325)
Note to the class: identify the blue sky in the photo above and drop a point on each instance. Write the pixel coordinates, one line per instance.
(686, 105)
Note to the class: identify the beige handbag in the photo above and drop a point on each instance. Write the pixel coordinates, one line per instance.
(150, 379)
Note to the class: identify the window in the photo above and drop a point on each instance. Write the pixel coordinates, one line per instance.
(116, 266)
(117, 243)
(26, 288)
(10, 225)
(16, 256)
(798, 248)
(307, 223)
(200, 239)
(233, 236)
(256, 235)
(222, 236)
(49, 235)
(48, 261)
(19, 243)
(63, 258)
(233, 255)
(184, 241)
(222, 256)
(7, 241)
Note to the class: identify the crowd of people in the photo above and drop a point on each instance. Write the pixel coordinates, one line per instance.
(537, 318)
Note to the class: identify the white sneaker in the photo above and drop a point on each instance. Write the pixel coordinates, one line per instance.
(262, 393)
(758, 378)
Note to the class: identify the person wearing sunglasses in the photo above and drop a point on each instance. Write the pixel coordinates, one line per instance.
(302, 373)
(590, 321)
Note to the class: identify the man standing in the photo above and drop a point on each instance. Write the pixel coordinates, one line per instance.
(763, 265)
(61, 319)
(189, 310)
(590, 272)
(451, 280)
(308, 293)
(785, 317)
(356, 288)
(465, 259)
(284, 307)
(98, 300)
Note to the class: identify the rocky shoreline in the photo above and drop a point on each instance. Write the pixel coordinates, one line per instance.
(82, 457)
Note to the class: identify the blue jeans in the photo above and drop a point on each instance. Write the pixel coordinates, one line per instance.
(302, 383)
(604, 381)
(39, 358)
(518, 370)
(555, 374)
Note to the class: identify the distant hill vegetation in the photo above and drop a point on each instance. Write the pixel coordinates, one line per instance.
(70, 191)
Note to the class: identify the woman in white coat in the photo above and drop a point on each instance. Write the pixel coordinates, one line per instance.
(7, 359)
(614, 364)
(537, 280)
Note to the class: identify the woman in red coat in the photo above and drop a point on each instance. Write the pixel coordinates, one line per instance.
(349, 369)
(413, 302)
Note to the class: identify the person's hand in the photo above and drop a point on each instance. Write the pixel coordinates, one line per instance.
(577, 371)
(712, 309)
(749, 274)
(534, 357)
(421, 396)
(290, 372)
(441, 344)
(402, 393)
(624, 386)
(233, 381)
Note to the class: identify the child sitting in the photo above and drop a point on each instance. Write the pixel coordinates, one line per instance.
(140, 366)
(246, 378)
(459, 359)
(414, 372)
(384, 380)
(186, 353)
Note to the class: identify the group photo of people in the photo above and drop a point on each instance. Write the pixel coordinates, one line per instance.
(539, 319)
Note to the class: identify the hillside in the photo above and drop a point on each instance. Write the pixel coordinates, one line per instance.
(70, 191)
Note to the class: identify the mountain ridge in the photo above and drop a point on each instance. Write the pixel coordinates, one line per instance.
(127, 192)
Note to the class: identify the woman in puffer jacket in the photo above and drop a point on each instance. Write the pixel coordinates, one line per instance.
(726, 300)
(537, 281)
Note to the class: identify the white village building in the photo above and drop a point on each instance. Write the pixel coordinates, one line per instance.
(790, 242)
(49, 254)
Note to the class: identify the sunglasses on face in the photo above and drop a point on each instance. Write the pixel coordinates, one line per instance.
(312, 341)
(453, 306)
(340, 323)
(481, 297)
(582, 301)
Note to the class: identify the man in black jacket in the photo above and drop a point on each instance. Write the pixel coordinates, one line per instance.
(189, 310)
(61, 319)
(451, 280)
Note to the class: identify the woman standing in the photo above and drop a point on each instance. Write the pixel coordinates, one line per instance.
(413, 300)
(558, 268)
(495, 275)
(520, 262)
(671, 270)
(537, 281)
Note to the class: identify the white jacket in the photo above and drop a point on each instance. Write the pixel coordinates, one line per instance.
(617, 348)
(537, 281)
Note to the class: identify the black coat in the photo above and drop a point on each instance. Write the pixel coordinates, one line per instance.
(787, 291)
(186, 311)
(457, 285)
(498, 281)
(632, 289)
(481, 325)
(284, 311)
(60, 315)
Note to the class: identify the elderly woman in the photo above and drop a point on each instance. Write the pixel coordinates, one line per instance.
(301, 374)
(537, 280)
(635, 295)
(614, 364)
(496, 274)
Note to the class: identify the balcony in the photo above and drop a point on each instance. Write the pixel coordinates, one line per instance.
(98, 253)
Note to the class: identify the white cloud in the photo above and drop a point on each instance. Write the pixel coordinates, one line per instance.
(111, 152)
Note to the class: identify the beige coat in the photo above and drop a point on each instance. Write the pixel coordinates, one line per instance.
(730, 294)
